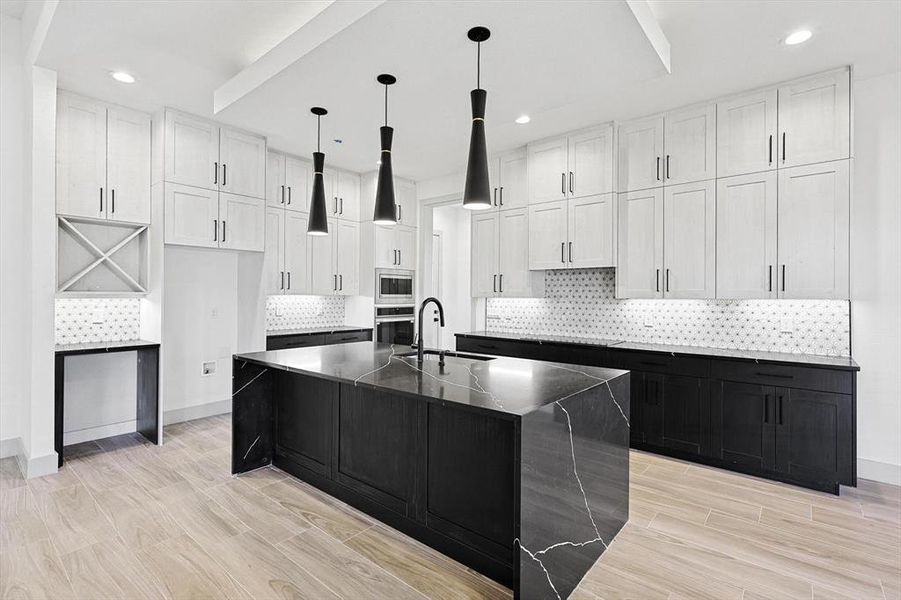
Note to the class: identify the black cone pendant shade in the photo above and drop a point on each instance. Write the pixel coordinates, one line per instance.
(477, 191)
(385, 212)
(318, 224)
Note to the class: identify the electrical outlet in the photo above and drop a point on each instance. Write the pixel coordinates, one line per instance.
(279, 311)
(786, 326)
(98, 316)
(649, 323)
(209, 368)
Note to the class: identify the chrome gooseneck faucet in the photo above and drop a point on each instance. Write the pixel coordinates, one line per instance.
(421, 346)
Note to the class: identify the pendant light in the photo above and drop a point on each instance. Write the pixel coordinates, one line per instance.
(477, 192)
(385, 212)
(318, 224)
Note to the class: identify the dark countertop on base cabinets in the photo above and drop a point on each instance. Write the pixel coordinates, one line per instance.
(510, 386)
(810, 360)
(98, 347)
(316, 330)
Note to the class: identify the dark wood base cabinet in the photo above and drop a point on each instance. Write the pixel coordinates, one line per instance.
(787, 422)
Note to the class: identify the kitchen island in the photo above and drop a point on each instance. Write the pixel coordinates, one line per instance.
(516, 468)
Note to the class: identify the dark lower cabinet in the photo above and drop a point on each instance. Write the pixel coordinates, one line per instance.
(741, 426)
(646, 408)
(305, 340)
(304, 410)
(667, 411)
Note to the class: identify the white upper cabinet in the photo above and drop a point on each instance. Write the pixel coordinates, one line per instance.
(296, 262)
(385, 251)
(689, 142)
(640, 154)
(192, 151)
(242, 159)
(192, 216)
(274, 256)
(276, 195)
(547, 235)
(323, 278)
(590, 159)
(591, 232)
(298, 183)
(514, 278)
(547, 170)
(640, 241)
(689, 240)
(103, 160)
(348, 186)
(746, 236)
(405, 238)
(405, 200)
(511, 184)
(746, 133)
(347, 257)
(813, 231)
(484, 254)
(814, 119)
(242, 222)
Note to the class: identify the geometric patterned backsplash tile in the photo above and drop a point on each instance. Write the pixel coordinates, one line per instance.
(119, 320)
(582, 303)
(300, 312)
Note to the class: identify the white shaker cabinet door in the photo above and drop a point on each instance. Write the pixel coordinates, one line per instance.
(405, 239)
(276, 194)
(128, 165)
(591, 162)
(81, 157)
(298, 184)
(243, 158)
(547, 170)
(405, 198)
(547, 235)
(690, 145)
(192, 151)
(814, 119)
(349, 196)
(243, 222)
(385, 247)
(689, 235)
(323, 277)
(512, 180)
(640, 240)
(640, 154)
(296, 261)
(274, 253)
(746, 134)
(192, 216)
(746, 236)
(592, 232)
(514, 278)
(813, 230)
(347, 257)
(484, 254)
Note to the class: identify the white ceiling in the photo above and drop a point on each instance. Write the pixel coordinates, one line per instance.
(12, 8)
(567, 64)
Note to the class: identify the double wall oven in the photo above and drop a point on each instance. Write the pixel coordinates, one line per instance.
(394, 306)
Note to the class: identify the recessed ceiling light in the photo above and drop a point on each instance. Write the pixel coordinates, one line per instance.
(122, 77)
(798, 37)
(523, 119)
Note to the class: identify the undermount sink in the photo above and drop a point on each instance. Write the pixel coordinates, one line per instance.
(433, 355)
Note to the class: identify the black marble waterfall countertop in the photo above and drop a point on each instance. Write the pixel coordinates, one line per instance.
(315, 330)
(811, 360)
(510, 386)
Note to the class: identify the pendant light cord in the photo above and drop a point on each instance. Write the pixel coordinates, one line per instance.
(479, 65)
(318, 129)
(386, 105)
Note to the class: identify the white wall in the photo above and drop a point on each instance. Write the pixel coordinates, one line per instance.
(200, 304)
(13, 238)
(876, 275)
(454, 224)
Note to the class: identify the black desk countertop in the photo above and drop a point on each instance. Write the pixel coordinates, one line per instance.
(812, 360)
(100, 347)
(511, 386)
(316, 330)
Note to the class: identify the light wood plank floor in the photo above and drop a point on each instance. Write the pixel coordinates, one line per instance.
(124, 519)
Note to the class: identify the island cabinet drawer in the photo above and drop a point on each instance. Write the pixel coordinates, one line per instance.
(282, 342)
(653, 362)
(345, 337)
(495, 346)
(561, 353)
(790, 376)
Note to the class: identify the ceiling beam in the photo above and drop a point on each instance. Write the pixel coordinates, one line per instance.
(328, 23)
(35, 25)
(651, 28)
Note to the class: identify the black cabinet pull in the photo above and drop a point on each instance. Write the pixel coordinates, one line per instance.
(494, 282)
(771, 149)
(289, 194)
(283, 195)
(501, 278)
(776, 375)
(781, 402)
(650, 363)
(562, 250)
(766, 408)
(667, 280)
(282, 284)
(486, 346)
(770, 277)
(215, 230)
(223, 230)
(113, 200)
(495, 196)
(783, 277)
(101, 201)
(502, 195)
(657, 278)
(223, 174)
(571, 183)
(335, 283)
(783, 146)
(658, 168)
(215, 172)
(289, 280)
(341, 210)
(570, 252)
(336, 205)
(341, 282)
(563, 183)
(400, 210)
(668, 176)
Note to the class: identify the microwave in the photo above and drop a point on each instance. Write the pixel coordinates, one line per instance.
(393, 286)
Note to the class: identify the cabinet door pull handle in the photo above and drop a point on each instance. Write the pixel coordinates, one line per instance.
(289, 194)
(658, 168)
(771, 149)
(335, 283)
(224, 178)
(283, 194)
(781, 403)
(562, 250)
(783, 146)
(336, 205)
(570, 252)
(400, 257)
(766, 408)
(571, 182)
(215, 172)
(668, 176)
(776, 375)
(502, 195)
(494, 282)
(495, 196)
(282, 284)
(341, 210)
(649, 363)
(783, 277)
(215, 230)
(289, 280)
(223, 230)
(341, 282)
(101, 200)
(501, 283)
(770, 277)
(657, 278)
(667, 280)
(400, 208)
(563, 183)
(113, 200)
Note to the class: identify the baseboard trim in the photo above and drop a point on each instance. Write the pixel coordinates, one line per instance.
(189, 413)
(10, 447)
(39, 466)
(99, 432)
(878, 471)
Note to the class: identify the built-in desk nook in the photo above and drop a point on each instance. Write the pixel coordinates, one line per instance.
(148, 358)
